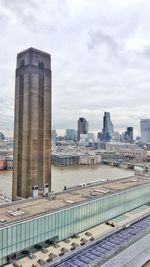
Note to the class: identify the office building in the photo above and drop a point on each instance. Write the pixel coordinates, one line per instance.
(145, 130)
(65, 159)
(116, 137)
(107, 130)
(99, 136)
(2, 137)
(137, 155)
(86, 140)
(71, 134)
(129, 135)
(32, 126)
(53, 136)
(118, 146)
(82, 127)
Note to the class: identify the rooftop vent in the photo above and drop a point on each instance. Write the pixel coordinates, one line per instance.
(16, 213)
(2, 220)
(69, 201)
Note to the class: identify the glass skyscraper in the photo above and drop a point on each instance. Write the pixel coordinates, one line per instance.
(107, 131)
(129, 135)
(82, 127)
(145, 130)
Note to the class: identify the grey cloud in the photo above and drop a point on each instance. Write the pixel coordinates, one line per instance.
(2, 100)
(3, 17)
(26, 12)
(3, 21)
(97, 38)
(33, 25)
(146, 51)
(20, 9)
(18, 6)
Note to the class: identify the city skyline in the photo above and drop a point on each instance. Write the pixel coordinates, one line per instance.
(112, 36)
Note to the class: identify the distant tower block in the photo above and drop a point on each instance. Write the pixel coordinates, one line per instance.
(32, 127)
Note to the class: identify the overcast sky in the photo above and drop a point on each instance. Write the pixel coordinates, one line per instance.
(100, 52)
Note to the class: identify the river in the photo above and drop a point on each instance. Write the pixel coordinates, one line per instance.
(70, 176)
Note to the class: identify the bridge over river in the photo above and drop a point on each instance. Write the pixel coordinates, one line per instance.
(128, 165)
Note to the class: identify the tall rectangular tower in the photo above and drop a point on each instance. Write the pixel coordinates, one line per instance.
(145, 130)
(107, 130)
(82, 127)
(32, 126)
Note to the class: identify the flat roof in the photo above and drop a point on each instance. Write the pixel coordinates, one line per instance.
(26, 209)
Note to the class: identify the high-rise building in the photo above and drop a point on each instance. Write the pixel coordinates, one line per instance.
(129, 135)
(99, 136)
(82, 127)
(145, 130)
(53, 136)
(71, 134)
(86, 139)
(2, 136)
(32, 126)
(116, 137)
(107, 130)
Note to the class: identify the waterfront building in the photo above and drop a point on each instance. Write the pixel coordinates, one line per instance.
(75, 157)
(111, 156)
(64, 159)
(3, 164)
(145, 130)
(107, 131)
(118, 146)
(90, 159)
(71, 134)
(58, 216)
(137, 155)
(32, 126)
(82, 127)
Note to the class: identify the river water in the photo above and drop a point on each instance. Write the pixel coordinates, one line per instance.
(70, 176)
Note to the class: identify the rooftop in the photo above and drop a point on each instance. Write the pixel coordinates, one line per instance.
(25, 209)
(31, 49)
(98, 232)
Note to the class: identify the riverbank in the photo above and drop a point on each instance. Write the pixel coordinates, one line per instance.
(70, 176)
